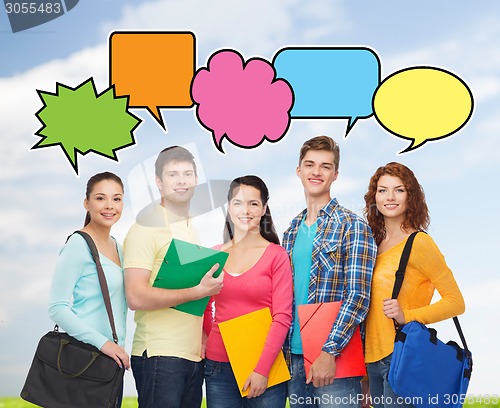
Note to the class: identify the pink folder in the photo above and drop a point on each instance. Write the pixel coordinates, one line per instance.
(316, 321)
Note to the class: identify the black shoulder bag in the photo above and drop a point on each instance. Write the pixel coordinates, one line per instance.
(424, 370)
(67, 373)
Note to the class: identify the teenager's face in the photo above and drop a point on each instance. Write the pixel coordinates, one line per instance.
(177, 181)
(391, 197)
(246, 209)
(317, 173)
(105, 203)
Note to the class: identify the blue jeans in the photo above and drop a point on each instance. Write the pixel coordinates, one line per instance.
(381, 393)
(223, 391)
(167, 382)
(344, 392)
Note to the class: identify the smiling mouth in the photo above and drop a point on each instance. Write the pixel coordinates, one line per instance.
(391, 206)
(315, 181)
(107, 215)
(245, 219)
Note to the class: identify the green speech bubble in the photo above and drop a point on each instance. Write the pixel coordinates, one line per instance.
(81, 121)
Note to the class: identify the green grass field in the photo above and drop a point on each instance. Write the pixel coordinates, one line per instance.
(492, 402)
(20, 403)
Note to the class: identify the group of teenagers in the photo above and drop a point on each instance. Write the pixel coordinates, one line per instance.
(327, 254)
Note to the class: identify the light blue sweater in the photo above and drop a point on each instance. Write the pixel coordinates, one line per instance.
(76, 303)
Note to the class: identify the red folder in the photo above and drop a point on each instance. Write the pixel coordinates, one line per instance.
(316, 321)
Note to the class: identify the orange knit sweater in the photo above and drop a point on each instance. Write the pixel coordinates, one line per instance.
(426, 271)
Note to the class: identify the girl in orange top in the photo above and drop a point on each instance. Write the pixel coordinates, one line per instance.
(395, 207)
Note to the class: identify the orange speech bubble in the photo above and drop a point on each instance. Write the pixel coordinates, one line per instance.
(154, 68)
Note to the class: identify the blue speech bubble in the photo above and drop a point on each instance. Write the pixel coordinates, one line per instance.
(330, 82)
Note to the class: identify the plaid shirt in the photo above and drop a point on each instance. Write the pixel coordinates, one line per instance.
(343, 257)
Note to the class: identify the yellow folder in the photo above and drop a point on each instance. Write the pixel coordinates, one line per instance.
(244, 338)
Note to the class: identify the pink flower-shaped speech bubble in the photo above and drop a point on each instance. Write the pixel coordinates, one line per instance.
(243, 102)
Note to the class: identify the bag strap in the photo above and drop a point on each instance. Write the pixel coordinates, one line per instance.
(460, 333)
(400, 273)
(102, 280)
(468, 354)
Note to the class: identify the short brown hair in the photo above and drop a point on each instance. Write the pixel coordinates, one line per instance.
(173, 153)
(321, 143)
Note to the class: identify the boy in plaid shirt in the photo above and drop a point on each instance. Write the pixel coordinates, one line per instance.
(332, 252)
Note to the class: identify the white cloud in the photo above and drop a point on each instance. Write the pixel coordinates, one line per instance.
(482, 304)
(483, 296)
(19, 123)
(255, 27)
(473, 54)
(247, 25)
(485, 87)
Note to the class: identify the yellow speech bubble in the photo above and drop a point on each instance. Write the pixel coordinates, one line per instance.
(422, 104)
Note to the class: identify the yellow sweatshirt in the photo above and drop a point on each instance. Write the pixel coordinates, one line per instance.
(426, 271)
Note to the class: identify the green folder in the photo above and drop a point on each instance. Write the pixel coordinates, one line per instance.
(184, 266)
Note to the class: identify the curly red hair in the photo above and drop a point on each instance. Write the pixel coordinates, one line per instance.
(417, 214)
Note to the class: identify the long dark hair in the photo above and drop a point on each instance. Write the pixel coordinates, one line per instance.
(267, 229)
(96, 178)
(417, 213)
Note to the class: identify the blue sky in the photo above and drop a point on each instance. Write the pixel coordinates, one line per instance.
(42, 198)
